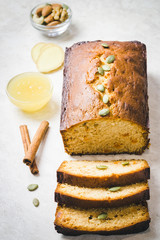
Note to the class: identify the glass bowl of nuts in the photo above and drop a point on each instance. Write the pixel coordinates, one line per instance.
(52, 19)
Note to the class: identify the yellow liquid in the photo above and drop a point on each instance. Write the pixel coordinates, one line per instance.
(29, 91)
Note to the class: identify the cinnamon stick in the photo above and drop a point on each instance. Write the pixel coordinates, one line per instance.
(33, 147)
(34, 168)
(26, 142)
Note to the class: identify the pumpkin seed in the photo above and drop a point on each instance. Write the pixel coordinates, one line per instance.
(114, 189)
(102, 216)
(110, 59)
(125, 163)
(106, 67)
(100, 71)
(104, 112)
(35, 202)
(65, 6)
(100, 88)
(32, 187)
(105, 98)
(101, 167)
(105, 45)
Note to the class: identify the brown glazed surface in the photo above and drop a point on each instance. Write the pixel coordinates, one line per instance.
(127, 83)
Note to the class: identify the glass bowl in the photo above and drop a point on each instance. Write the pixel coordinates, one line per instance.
(30, 91)
(52, 31)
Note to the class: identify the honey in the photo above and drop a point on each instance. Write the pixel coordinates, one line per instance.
(29, 91)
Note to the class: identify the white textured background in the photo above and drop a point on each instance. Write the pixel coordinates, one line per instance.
(92, 20)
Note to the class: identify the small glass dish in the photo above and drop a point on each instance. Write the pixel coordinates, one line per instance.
(30, 91)
(52, 31)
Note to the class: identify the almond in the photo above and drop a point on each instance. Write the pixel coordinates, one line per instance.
(46, 10)
(53, 23)
(39, 12)
(49, 19)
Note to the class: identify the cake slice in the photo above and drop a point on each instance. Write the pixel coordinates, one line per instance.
(105, 98)
(93, 174)
(107, 221)
(101, 197)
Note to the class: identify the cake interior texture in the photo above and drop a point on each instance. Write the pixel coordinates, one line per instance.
(89, 169)
(88, 204)
(113, 173)
(124, 129)
(101, 194)
(102, 136)
(87, 220)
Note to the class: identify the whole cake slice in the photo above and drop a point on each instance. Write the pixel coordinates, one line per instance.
(101, 197)
(121, 220)
(94, 174)
(104, 101)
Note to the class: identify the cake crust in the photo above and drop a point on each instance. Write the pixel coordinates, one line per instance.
(139, 227)
(122, 179)
(85, 203)
(128, 81)
(75, 221)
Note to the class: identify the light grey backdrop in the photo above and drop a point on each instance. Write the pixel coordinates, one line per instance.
(92, 20)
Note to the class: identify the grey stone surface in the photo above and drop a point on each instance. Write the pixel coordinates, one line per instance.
(92, 20)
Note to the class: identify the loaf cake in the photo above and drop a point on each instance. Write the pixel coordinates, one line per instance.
(104, 100)
(93, 174)
(101, 197)
(121, 220)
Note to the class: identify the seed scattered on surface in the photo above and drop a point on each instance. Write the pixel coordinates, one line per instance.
(32, 187)
(110, 59)
(106, 67)
(125, 163)
(35, 202)
(104, 112)
(100, 71)
(105, 45)
(105, 98)
(101, 167)
(114, 189)
(100, 88)
(102, 216)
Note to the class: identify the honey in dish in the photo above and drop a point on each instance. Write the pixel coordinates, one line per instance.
(29, 91)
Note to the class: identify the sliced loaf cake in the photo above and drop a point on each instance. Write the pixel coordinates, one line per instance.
(101, 197)
(122, 220)
(103, 173)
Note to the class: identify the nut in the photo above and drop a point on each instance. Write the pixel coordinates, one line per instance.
(61, 10)
(46, 10)
(49, 19)
(57, 15)
(53, 23)
(56, 6)
(39, 12)
(63, 15)
(53, 13)
(38, 20)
